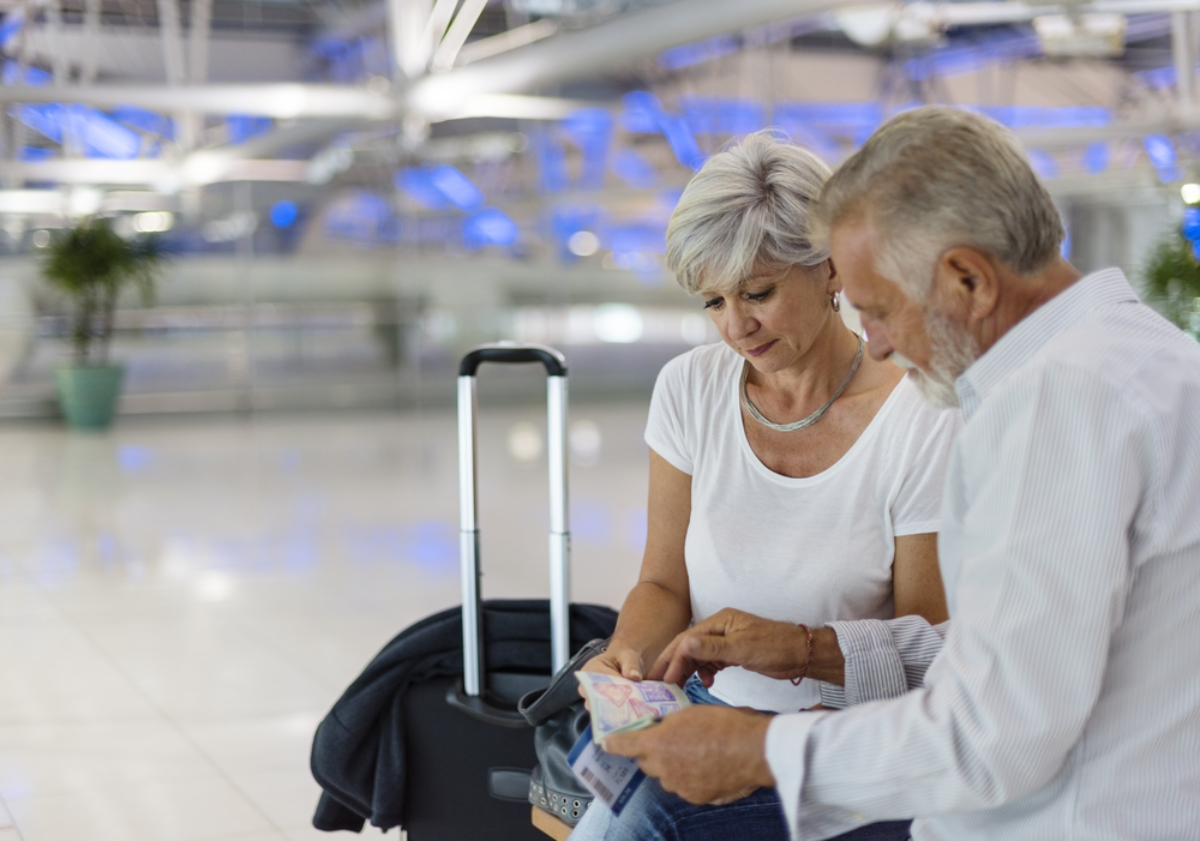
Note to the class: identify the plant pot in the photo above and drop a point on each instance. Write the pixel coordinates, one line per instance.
(88, 394)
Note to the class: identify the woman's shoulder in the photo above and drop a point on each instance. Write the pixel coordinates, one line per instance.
(700, 365)
(911, 416)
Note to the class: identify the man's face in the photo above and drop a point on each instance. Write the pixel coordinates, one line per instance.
(935, 349)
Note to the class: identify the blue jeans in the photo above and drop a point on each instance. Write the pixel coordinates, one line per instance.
(656, 815)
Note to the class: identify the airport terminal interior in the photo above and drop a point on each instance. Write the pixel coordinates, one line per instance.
(343, 197)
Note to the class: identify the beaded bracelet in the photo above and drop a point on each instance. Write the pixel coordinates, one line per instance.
(807, 655)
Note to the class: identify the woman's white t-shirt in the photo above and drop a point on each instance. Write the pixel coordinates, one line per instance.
(808, 550)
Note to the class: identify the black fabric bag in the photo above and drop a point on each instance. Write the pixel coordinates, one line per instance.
(560, 717)
(360, 752)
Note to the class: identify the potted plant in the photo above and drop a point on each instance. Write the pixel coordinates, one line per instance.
(1172, 282)
(92, 265)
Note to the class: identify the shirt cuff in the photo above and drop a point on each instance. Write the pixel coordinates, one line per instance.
(874, 670)
(786, 739)
(832, 696)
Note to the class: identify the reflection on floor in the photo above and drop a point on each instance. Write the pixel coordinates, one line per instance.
(181, 601)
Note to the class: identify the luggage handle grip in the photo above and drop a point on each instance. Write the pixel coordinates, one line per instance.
(478, 707)
(554, 362)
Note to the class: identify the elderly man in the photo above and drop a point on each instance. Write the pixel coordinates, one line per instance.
(1064, 698)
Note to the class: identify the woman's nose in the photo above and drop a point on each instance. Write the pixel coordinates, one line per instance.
(740, 323)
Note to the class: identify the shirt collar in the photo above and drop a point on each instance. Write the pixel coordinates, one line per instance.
(1015, 347)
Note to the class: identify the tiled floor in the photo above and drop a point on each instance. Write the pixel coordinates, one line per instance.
(181, 601)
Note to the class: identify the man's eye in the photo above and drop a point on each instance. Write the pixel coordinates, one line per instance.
(713, 303)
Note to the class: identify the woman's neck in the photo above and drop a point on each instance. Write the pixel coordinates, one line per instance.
(814, 377)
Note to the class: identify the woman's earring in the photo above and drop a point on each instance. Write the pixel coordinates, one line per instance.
(836, 302)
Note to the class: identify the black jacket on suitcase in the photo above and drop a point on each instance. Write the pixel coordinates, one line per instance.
(359, 754)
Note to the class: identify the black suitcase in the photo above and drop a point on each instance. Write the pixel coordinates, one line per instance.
(469, 751)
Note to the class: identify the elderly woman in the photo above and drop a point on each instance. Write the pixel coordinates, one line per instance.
(791, 476)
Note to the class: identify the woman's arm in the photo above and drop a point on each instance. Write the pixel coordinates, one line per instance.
(780, 650)
(916, 580)
(660, 605)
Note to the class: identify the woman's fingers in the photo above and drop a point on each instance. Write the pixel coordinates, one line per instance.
(619, 662)
(630, 664)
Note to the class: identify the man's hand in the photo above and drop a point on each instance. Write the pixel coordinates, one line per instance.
(733, 638)
(705, 754)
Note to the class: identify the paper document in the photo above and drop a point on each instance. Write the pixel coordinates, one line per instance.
(612, 780)
(619, 705)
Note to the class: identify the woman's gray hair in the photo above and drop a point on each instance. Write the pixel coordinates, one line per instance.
(747, 205)
(936, 178)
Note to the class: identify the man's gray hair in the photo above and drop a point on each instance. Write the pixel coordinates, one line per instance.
(747, 205)
(936, 178)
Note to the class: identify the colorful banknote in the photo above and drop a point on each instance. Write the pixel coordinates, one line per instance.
(619, 705)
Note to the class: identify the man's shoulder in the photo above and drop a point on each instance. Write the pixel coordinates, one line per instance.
(1125, 346)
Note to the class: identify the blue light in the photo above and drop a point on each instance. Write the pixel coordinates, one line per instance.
(710, 115)
(565, 222)
(34, 154)
(632, 239)
(456, 187)
(103, 137)
(642, 112)
(14, 21)
(98, 135)
(242, 128)
(552, 162)
(681, 140)
(147, 121)
(12, 75)
(1095, 157)
(489, 226)
(433, 544)
(363, 217)
(1161, 152)
(419, 187)
(687, 55)
(633, 169)
(1043, 164)
(1191, 223)
(133, 459)
(46, 119)
(284, 213)
(591, 130)
(1035, 116)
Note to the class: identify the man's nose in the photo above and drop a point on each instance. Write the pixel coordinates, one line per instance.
(878, 345)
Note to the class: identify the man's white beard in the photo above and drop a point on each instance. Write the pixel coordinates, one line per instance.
(952, 351)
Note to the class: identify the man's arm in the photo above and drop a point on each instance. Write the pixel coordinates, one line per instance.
(882, 658)
(1040, 575)
(873, 659)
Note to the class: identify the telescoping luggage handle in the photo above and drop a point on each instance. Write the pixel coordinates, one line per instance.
(556, 436)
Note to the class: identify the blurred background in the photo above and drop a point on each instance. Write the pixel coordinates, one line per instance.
(348, 195)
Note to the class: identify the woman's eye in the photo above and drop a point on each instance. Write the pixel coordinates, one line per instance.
(713, 303)
(758, 296)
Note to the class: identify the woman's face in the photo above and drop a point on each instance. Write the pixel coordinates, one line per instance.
(774, 317)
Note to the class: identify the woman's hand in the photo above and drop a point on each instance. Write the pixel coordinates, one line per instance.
(620, 662)
(733, 638)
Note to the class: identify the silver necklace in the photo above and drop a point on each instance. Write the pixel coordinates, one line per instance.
(815, 416)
